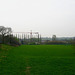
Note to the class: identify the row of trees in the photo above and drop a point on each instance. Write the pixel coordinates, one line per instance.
(7, 38)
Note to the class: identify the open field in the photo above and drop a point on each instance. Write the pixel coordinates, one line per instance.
(37, 60)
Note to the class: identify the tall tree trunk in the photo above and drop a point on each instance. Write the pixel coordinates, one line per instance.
(3, 38)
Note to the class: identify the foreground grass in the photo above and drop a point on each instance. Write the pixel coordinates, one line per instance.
(4, 50)
(38, 60)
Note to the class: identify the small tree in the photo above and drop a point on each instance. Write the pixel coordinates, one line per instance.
(54, 38)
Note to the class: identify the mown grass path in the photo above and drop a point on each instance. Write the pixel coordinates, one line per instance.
(39, 60)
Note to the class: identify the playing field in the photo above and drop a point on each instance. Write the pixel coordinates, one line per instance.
(38, 60)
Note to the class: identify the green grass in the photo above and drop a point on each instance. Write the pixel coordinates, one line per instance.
(4, 50)
(38, 60)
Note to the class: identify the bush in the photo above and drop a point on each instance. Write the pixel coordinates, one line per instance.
(10, 40)
(56, 42)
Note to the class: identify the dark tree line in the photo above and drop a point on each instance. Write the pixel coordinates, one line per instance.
(6, 37)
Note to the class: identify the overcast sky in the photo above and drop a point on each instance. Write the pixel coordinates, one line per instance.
(48, 17)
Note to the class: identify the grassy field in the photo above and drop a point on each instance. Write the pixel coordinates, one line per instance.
(37, 60)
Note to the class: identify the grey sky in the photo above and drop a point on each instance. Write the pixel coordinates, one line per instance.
(45, 16)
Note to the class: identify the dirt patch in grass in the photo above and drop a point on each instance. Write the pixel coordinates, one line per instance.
(27, 71)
